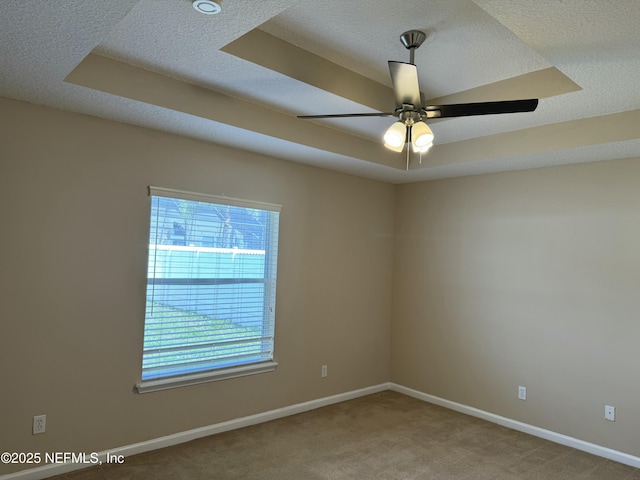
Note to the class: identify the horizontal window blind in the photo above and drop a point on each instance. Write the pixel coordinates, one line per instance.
(211, 283)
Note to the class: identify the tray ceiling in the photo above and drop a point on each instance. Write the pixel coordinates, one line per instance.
(239, 78)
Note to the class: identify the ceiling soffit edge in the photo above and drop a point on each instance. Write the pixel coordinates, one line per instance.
(119, 78)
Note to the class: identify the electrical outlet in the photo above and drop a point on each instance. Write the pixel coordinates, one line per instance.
(522, 392)
(610, 413)
(39, 424)
(324, 371)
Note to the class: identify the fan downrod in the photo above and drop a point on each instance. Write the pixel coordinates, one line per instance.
(411, 40)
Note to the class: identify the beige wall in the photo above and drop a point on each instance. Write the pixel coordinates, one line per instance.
(74, 210)
(526, 278)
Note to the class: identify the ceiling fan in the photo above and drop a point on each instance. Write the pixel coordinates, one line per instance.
(412, 111)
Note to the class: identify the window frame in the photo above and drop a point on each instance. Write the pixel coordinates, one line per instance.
(236, 370)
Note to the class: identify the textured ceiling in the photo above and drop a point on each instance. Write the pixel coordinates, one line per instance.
(239, 78)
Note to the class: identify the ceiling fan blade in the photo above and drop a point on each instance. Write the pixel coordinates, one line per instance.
(404, 77)
(481, 108)
(345, 115)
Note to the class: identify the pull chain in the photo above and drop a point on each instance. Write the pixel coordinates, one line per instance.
(408, 148)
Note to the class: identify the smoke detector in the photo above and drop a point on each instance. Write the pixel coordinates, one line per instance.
(208, 7)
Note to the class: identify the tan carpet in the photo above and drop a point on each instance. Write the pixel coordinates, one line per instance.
(382, 436)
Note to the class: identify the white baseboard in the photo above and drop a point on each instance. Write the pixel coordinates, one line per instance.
(46, 471)
(50, 470)
(592, 448)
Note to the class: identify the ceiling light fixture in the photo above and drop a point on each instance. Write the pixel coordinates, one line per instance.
(208, 7)
(409, 129)
(395, 137)
(421, 135)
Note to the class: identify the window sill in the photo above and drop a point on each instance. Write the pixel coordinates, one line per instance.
(204, 377)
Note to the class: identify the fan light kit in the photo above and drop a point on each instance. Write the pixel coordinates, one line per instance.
(412, 111)
(208, 7)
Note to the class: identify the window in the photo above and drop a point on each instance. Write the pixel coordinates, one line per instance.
(211, 288)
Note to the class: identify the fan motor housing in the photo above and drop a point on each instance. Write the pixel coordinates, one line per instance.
(409, 116)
